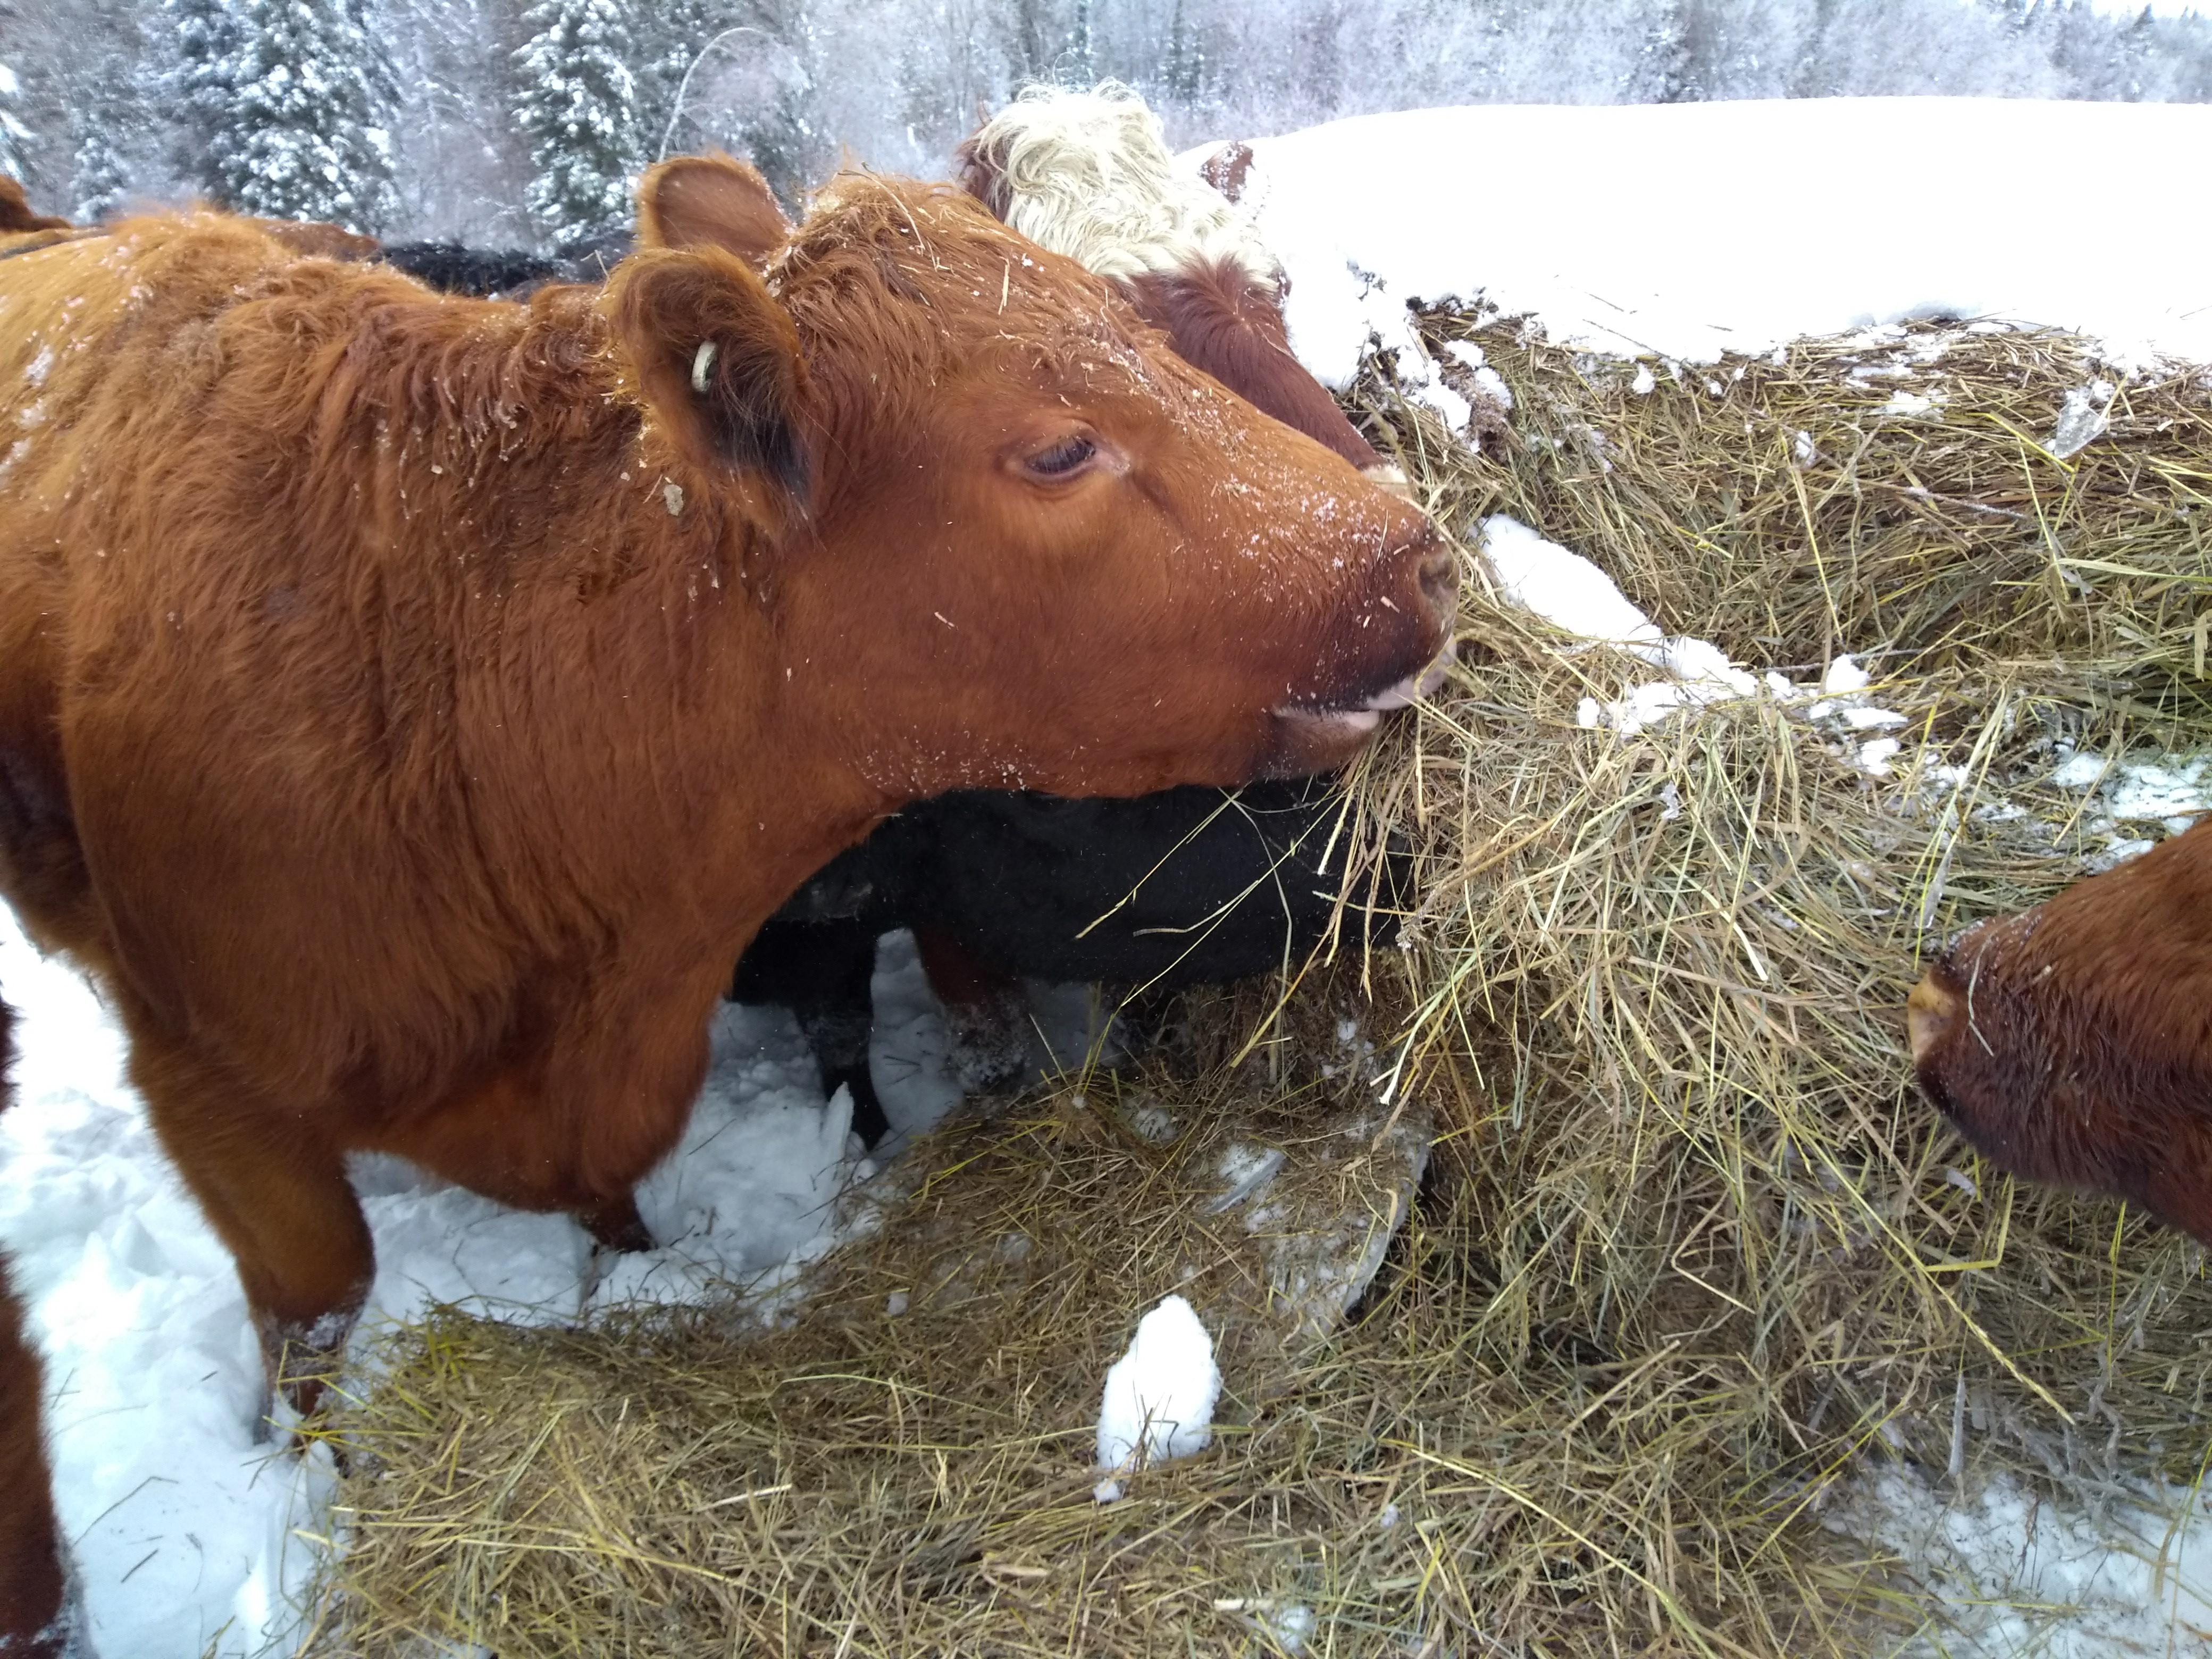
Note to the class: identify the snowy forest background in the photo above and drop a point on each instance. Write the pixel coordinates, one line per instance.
(520, 123)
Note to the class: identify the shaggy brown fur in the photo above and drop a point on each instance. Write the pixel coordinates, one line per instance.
(1224, 322)
(15, 215)
(410, 706)
(2072, 1044)
(1226, 167)
(319, 241)
(37, 1612)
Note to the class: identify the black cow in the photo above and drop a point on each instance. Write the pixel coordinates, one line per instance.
(1187, 887)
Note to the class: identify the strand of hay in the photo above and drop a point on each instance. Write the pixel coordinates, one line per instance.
(1691, 1247)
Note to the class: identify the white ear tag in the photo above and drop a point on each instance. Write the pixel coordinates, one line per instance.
(703, 363)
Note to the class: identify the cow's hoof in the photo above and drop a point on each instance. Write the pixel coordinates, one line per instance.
(618, 1227)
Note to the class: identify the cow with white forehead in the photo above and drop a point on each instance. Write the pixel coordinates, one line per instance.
(1089, 174)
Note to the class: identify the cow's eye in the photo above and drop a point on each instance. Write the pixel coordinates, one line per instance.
(1063, 459)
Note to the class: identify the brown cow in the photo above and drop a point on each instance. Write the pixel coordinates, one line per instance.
(2072, 1043)
(15, 215)
(410, 706)
(306, 236)
(40, 1615)
(1088, 174)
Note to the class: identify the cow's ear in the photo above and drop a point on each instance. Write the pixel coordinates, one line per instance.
(715, 359)
(710, 201)
(982, 172)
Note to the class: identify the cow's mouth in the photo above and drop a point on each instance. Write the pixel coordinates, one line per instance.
(1316, 736)
(1366, 714)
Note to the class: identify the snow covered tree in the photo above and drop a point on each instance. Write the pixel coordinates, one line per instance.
(1183, 67)
(101, 178)
(308, 95)
(668, 37)
(112, 140)
(15, 136)
(205, 38)
(1078, 65)
(579, 107)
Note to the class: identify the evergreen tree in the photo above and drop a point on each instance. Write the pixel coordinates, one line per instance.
(1183, 71)
(1079, 65)
(579, 107)
(307, 139)
(668, 37)
(110, 135)
(99, 178)
(206, 37)
(15, 136)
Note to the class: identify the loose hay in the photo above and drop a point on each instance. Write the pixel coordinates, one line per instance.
(1691, 1247)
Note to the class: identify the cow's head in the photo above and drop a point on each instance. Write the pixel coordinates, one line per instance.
(2072, 1043)
(1089, 174)
(1021, 543)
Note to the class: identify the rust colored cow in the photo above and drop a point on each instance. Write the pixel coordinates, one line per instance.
(409, 706)
(1088, 174)
(15, 215)
(40, 1615)
(2072, 1043)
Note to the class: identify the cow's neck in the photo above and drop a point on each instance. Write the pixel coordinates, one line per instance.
(688, 776)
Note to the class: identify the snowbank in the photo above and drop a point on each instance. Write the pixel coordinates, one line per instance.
(2014, 1571)
(194, 1536)
(1685, 231)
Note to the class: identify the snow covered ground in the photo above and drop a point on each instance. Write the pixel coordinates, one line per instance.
(2014, 1574)
(1685, 231)
(189, 1531)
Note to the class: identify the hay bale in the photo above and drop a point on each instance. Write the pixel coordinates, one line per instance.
(1691, 1249)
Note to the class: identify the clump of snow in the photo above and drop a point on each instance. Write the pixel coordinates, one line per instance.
(1844, 677)
(1247, 1169)
(1576, 597)
(2082, 418)
(1573, 594)
(1151, 1121)
(1290, 1625)
(1563, 588)
(2172, 790)
(2017, 1572)
(1351, 210)
(1487, 380)
(1418, 378)
(1159, 1398)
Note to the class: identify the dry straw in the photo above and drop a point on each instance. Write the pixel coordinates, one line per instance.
(1690, 1251)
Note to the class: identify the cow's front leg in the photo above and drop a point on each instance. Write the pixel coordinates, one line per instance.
(274, 1189)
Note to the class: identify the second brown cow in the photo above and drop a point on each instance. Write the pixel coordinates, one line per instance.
(410, 706)
(1088, 174)
(2072, 1044)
